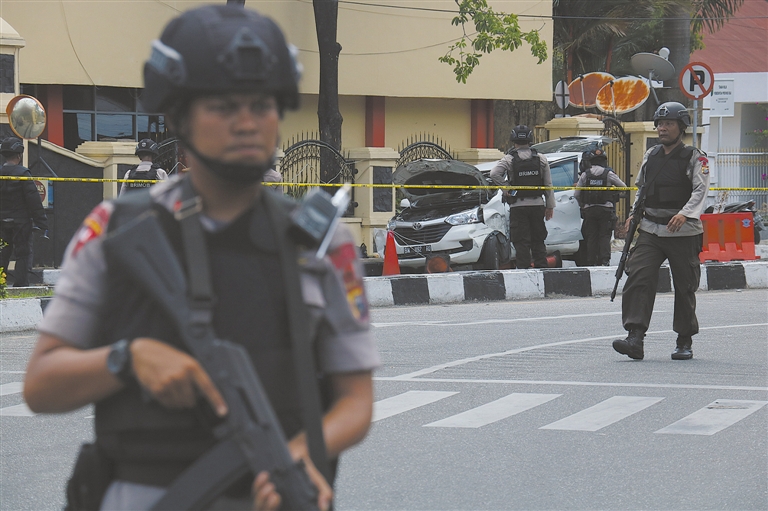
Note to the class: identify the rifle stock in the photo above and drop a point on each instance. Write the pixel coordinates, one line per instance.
(637, 215)
(143, 250)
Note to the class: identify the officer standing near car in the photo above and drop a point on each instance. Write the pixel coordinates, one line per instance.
(675, 178)
(598, 207)
(524, 166)
(21, 211)
(223, 75)
(147, 150)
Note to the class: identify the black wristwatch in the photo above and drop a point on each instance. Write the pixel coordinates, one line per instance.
(119, 361)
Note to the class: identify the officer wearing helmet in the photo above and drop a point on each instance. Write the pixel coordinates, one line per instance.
(524, 166)
(223, 75)
(21, 211)
(147, 150)
(598, 206)
(675, 179)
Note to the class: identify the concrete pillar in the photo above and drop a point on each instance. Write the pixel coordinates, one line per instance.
(375, 205)
(573, 126)
(11, 44)
(117, 158)
(474, 156)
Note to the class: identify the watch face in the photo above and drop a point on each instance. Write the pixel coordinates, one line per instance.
(117, 358)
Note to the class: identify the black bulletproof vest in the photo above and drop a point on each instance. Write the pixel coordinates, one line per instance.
(12, 204)
(527, 173)
(250, 309)
(135, 174)
(671, 188)
(596, 196)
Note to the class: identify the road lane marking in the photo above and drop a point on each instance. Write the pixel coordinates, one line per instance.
(406, 401)
(494, 411)
(15, 387)
(493, 321)
(21, 410)
(13, 372)
(604, 414)
(476, 358)
(572, 383)
(714, 417)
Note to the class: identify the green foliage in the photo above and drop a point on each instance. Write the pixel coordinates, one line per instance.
(2, 273)
(493, 31)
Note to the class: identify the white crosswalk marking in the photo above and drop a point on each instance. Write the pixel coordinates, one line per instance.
(405, 402)
(494, 411)
(714, 417)
(21, 410)
(604, 414)
(14, 387)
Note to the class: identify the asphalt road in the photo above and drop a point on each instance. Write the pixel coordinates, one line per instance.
(510, 405)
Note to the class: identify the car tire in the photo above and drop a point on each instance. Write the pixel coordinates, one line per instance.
(490, 258)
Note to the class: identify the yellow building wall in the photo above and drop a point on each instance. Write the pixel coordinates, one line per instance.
(385, 51)
(445, 118)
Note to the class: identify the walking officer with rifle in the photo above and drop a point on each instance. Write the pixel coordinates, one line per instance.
(673, 184)
(221, 329)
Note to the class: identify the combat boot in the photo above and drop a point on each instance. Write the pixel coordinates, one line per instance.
(632, 346)
(683, 350)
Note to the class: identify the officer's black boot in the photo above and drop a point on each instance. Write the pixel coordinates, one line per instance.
(632, 346)
(683, 350)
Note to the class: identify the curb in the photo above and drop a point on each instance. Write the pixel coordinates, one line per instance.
(476, 286)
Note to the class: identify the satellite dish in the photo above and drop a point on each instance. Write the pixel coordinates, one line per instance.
(622, 95)
(653, 67)
(584, 89)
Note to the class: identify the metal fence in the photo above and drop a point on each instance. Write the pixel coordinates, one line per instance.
(742, 168)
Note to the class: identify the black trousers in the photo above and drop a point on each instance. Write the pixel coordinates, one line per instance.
(17, 237)
(528, 232)
(639, 292)
(597, 228)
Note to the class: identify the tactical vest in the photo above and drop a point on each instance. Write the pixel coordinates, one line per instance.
(12, 203)
(596, 196)
(526, 173)
(671, 187)
(135, 174)
(250, 309)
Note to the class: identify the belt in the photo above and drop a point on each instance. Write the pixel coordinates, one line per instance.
(663, 220)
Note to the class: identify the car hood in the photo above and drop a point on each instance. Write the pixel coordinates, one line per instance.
(440, 172)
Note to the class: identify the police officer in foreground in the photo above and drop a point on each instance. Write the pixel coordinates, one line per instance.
(524, 166)
(21, 211)
(223, 75)
(676, 181)
(598, 208)
(147, 150)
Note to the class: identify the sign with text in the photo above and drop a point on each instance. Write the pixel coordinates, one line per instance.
(696, 80)
(722, 99)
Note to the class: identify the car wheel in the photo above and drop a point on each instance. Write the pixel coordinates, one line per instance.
(490, 259)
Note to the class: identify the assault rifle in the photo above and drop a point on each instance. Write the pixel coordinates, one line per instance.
(249, 438)
(637, 215)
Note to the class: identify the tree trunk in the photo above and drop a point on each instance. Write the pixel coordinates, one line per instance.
(677, 37)
(328, 115)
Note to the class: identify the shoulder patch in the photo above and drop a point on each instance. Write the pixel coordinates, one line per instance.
(93, 226)
(344, 259)
(704, 164)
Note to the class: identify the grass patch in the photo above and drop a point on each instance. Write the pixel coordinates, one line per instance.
(29, 293)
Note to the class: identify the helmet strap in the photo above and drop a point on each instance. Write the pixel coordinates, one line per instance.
(239, 173)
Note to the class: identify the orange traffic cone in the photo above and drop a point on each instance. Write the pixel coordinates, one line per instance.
(391, 264)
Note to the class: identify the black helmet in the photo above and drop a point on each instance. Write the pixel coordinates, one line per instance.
(594, 156)
(219, 49)
(12, 145)
(521, 134)
(147, 146)
(674, 111)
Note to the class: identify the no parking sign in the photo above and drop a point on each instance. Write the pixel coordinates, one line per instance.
(696, 80)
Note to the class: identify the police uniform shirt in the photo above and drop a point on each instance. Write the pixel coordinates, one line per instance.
(698, 172)
(597, 171)
(502, 170)
(143, 168)
(332, 289)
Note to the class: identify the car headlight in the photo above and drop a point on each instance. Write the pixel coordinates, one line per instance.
(473, 216)
(391, 225)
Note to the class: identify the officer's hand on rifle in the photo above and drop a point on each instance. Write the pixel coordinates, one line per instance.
(173, 377)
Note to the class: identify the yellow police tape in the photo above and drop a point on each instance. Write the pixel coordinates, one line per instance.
(369, 185)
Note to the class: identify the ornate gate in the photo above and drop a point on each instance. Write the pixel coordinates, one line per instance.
(303, 160)
(618, 160)
(422, 146)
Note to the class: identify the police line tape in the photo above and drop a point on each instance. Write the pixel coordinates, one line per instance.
(379, 185)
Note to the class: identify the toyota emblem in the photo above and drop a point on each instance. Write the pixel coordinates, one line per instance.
(417, 226)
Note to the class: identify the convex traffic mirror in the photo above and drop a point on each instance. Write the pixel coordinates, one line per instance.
(26, 116)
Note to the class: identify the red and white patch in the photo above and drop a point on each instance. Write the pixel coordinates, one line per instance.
(704, 165)
(93, 226)
(344, 258)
